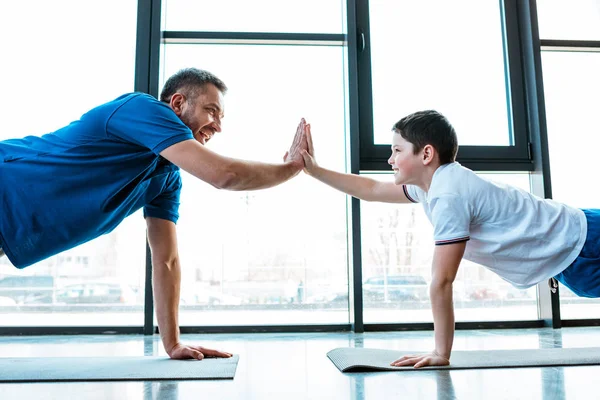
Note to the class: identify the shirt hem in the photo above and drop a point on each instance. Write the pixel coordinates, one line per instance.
(7, 252)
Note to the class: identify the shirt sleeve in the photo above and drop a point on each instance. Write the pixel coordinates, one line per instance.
(451, 219)
(414, 193)
(166, 205)
(149, 123)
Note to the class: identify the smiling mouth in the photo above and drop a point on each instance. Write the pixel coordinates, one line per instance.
(205, 136)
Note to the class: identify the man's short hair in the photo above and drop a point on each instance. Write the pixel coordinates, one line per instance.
(429, 127)
(190, 82)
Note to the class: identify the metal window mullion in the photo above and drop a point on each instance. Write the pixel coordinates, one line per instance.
(548, 303)
(147, 60)
(356, 306)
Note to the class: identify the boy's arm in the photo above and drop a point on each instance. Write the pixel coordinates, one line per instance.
(446, 259)
(357, 186)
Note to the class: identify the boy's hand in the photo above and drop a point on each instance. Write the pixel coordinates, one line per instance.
(310, 164)
(421, 360)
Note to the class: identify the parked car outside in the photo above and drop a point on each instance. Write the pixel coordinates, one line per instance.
(96, 293)
(396, 288)
(27, 289)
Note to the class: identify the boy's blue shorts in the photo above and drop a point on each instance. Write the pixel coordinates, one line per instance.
(583, 275)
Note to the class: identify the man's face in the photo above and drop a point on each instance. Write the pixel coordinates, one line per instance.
(406, 165)
(202, 115)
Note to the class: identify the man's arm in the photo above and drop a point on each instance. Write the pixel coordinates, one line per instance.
(166, 278)
(357, 186)
(235, 174)
(446, 260)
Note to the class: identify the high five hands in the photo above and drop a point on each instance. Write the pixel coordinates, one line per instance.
(299, 146)
(302, 152)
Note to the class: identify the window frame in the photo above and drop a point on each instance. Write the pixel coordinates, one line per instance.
(515, 157)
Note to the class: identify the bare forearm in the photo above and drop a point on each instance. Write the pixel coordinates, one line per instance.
(166, 284)
(355, 185)
(251, 175)
(443, 317)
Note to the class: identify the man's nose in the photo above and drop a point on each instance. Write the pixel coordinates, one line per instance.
(217, 124)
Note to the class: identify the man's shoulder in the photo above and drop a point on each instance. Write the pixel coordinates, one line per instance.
(138, 97)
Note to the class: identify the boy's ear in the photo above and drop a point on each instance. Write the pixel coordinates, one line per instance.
(429, 153)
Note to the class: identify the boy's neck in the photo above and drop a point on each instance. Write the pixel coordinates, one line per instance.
(426, 177)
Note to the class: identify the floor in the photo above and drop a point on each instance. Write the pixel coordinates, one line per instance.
(295, 366)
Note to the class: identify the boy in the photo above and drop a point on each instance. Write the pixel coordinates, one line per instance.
(522, 238)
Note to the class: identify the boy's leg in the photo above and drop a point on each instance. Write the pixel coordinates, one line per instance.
(582, 277)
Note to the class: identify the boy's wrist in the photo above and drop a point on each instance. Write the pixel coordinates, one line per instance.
(442, 354)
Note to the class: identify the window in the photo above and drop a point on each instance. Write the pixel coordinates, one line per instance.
(437, 55)
(571, 87)
(67, 60)
(277, 256)
(398, 247)
(307, 16)
(577, 20)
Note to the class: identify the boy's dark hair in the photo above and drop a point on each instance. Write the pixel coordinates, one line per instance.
(429, 127)
(191, 82)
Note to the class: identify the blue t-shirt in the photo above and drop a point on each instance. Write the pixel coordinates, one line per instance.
(68, 187)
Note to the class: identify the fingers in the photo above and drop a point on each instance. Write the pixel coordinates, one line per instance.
(299, 132)
(406, 361)
(188, 352)
(307, 158)
(309, 142)
(214, 353)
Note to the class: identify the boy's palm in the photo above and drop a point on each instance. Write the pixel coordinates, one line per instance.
(309, 155)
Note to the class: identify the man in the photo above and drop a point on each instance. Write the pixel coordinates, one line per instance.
(70, 186)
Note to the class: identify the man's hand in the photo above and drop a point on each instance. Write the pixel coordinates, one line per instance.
(421, 360)
(183, 352)
(310, 163)
(299, 145)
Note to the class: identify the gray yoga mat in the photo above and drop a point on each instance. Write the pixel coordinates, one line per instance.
(369, 360)
(54, 369)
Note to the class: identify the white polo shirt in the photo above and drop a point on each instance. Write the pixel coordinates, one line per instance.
(521, 237)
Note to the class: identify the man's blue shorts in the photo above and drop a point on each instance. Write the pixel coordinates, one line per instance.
(583, 275)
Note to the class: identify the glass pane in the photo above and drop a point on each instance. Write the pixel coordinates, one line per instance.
(307, 16)
(63, 61)
(569, 20)
(426, 55)
(571, 87)
(397, 255)
(276, 256)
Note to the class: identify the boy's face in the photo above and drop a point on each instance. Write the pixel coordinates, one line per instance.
(407, 166)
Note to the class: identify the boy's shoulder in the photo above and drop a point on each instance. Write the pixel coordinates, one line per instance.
(452, 179)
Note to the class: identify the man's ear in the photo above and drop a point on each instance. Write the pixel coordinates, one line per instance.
(429, 154)
(176, 103)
